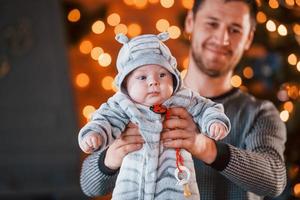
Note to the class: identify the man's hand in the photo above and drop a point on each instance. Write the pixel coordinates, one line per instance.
(129, 141)
(182, 132)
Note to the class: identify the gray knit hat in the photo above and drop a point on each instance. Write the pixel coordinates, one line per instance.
(142, 50)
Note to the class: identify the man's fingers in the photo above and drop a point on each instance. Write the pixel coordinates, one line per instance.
(129, 139)
(176, 134)
(178, 143)
(125, 149)
(175, 123)
(179, 112)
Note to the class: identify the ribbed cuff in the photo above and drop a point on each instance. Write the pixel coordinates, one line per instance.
(103, 168)
(223, 156)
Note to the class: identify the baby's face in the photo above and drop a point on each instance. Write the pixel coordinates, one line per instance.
(149, 85)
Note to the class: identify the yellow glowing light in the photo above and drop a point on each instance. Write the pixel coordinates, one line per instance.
(292, 59)
(85, 47)
(236, 81)
(129, 2)
(153, 1)
(87, 111)
(289, 106)
(271, 26)
(140, 4)
(162, 25)
(167, 3)
(248, 72)
(185, 63)
(290, 2)
(284, 115)
(174, 32)
(96, 52)
(98, 27)
(261, 17)
(298, 2)
(273, 4)
(297, 190)
(296, 28)
(107, 83)
(298, 66)
(183, 73)
(187, 4)
(82, 80)
(293, 92)
(134, 29)
(113, 19)
(104, 59)
(74, 15)
(282, 30)
(121, 28)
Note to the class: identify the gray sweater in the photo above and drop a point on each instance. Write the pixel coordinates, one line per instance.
(249, 164)
(149, 172)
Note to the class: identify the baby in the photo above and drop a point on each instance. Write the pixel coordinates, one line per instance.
(149, 83)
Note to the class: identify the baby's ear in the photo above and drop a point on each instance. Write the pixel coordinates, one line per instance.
(163, 36)
(121, 38)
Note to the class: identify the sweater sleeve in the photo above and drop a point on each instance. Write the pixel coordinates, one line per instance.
(259, 167)
(93, 180)
(206, 112)
(109, 121)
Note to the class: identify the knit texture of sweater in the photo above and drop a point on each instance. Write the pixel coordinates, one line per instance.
(249, 163)
(149, 173)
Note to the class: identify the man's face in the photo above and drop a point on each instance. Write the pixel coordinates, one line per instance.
(221, 32)
(150, 85)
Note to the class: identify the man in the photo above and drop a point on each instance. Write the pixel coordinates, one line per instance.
(248, 163)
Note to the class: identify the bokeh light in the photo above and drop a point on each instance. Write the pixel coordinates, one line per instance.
(96, 52)
(88, 110)
(85, 46)
(261, 17)
(82, 80)
(121, 28)
(74, 15)
(113, 19)
(236, 81)
(162, 25)
(271, 26)
(167, 3)
(107, 82)
(174, 32)
(284, 115)
(104, 59)
(134, 29)
(98, 27)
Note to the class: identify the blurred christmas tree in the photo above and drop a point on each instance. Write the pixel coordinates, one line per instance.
(269, 70)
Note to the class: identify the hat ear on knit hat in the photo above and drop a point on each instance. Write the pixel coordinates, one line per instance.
(143, 50)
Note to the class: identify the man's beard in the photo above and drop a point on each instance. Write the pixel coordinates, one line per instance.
(201, 66)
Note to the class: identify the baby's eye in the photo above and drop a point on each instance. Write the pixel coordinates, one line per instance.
(162, 75)
(141, 77)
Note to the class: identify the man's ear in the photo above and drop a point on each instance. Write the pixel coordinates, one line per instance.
(250, 39)
(189, 22)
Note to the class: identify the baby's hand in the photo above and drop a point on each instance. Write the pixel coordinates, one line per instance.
(90, 142)
(218, 131)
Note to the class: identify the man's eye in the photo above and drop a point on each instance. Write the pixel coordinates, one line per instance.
(162, 75)
(213, 24)
(141, 77)
(234, 30)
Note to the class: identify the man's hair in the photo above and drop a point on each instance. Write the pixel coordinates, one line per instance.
(251, 4)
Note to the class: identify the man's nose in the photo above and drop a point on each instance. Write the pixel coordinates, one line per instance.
(222, 36)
